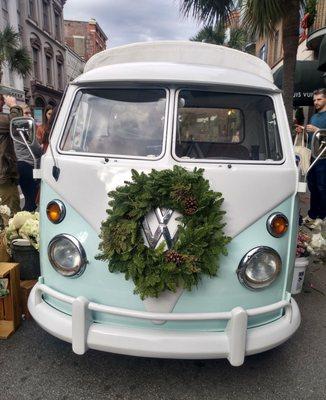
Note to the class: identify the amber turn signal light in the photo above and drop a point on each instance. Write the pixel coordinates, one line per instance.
(56, 211)
(277, 224)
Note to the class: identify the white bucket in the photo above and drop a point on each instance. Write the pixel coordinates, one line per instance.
(300, 266)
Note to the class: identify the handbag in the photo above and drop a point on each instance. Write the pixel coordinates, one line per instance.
(302, 154)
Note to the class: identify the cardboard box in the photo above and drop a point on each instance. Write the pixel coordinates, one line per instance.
(10, 311)
(25, 289)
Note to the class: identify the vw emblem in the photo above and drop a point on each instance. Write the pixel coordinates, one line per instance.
(158, 225)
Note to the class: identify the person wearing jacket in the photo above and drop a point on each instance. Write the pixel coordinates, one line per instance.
(25, 164)
(8, 163)
(316, 177)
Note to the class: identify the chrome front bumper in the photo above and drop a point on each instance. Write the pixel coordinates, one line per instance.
(234, 343)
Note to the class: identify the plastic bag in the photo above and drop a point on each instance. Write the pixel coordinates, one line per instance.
(303, 154)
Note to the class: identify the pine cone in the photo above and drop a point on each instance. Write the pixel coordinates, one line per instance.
(179, 194)
(191, 205)
(174, 256)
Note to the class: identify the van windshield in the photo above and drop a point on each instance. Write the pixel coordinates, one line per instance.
(127, 122)
(214, 125)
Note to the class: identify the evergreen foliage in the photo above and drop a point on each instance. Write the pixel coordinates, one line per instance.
(201, 239)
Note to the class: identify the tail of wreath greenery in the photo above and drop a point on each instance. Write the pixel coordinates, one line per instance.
(201, 238)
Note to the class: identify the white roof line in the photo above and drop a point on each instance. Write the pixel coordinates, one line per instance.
(181, 52)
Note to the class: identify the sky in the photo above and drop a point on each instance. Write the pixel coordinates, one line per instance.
(129, 21)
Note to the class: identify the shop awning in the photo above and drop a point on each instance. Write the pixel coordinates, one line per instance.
(322, 55)
(307, 79)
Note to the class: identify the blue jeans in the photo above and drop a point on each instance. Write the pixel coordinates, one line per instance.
(317, 185)
(28, 185)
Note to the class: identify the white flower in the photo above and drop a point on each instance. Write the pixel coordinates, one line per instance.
(318, 242)
(23, 225)
(30, 231)
(5, 210)
(21, 217)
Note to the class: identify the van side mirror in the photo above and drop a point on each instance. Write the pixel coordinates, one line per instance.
(22, 130)
(318, 144)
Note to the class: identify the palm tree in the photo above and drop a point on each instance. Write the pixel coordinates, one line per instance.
(238, 38)
(12, 54)
(210, 34)
(217, 35)
(261, 18)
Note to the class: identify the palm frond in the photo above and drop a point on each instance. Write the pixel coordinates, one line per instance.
(20, 61)
(9, 41)
(211, 12)
(211, 34)
(238, 38)
(262, 16)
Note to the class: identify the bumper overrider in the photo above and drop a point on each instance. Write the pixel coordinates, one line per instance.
(234, 343)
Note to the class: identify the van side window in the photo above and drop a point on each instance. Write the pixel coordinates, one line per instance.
(127, 122)
(214, 125)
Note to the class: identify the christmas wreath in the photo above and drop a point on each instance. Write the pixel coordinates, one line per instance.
(200, 238)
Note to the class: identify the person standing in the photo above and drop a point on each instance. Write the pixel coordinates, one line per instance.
(46, 134)
(25, 164)
(316, 177)
(44, 128)
(8, 163)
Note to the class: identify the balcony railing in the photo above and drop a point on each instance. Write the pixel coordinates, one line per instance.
(320, 19)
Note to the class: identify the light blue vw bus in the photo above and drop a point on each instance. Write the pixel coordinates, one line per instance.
(157, 106)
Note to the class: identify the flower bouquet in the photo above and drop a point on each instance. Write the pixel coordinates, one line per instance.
(23, 238)
(317, 243)
(302, 243)
(312, 242)
(23, 225)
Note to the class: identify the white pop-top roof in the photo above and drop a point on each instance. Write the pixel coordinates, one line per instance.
(181, 52)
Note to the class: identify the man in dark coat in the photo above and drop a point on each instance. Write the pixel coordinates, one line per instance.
(8, 164)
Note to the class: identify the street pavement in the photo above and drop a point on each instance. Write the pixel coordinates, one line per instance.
(35, 365)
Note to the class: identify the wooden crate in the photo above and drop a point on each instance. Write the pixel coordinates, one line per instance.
(25, 289)
(10, 311)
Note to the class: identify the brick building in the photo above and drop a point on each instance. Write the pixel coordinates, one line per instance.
(85, 38)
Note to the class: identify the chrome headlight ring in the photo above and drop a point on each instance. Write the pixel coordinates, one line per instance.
(270, 223)
(259, 268)
(61, 210)
(67, 255)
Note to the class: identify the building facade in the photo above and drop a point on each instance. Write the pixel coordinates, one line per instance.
(12, 83)
(74, 64)
(309, 73)
(41, 27)
(85, 38)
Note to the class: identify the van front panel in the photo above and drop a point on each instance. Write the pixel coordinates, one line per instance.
(253, 189)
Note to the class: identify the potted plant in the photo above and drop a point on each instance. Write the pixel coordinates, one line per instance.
(22, 237)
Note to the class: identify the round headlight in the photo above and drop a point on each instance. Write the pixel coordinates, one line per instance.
(259, 267)
(67, 256)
